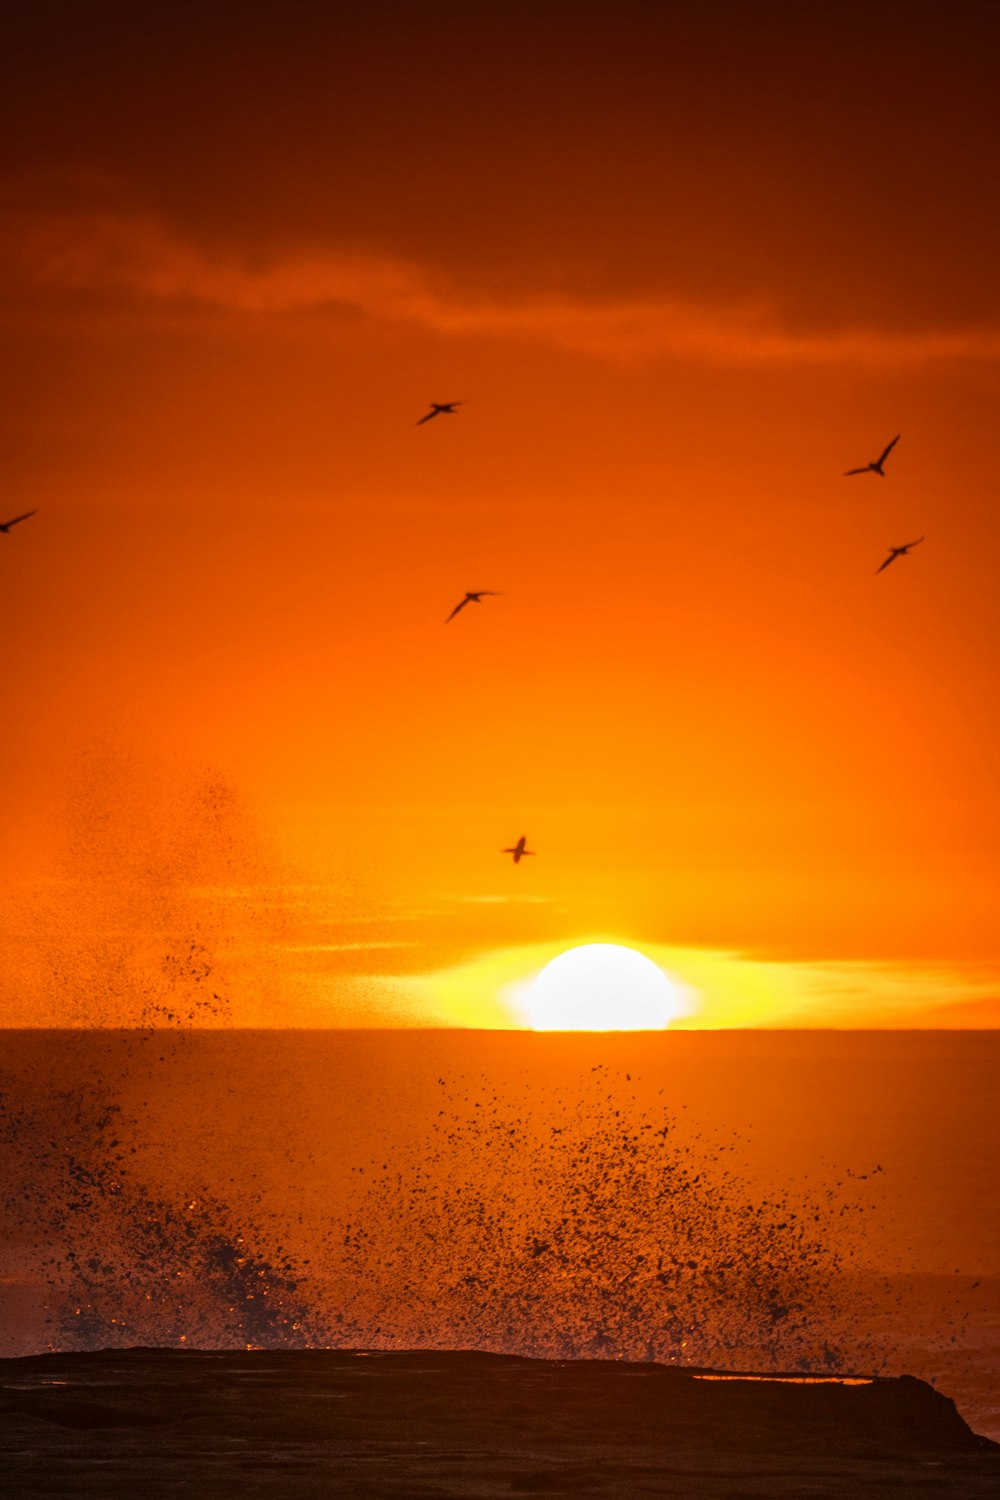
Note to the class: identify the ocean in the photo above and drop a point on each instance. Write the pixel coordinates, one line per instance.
(810, 1201)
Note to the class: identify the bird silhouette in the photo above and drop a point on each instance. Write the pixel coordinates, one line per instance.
(441, 409)
(518, 849)
(472, 596)
(876, 466)
(895, 552)
(6, 525)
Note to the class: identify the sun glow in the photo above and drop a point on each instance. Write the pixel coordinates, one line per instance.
(601, 987)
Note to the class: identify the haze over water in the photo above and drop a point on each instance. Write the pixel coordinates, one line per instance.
(778, 1200)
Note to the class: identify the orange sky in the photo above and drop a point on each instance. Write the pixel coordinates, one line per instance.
(686, 263)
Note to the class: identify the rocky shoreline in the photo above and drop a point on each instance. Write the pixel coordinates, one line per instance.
(301, 1423)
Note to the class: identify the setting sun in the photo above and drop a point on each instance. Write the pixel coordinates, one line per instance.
(601, 987)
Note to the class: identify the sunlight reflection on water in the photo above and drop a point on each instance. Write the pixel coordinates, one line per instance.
(795, 1379)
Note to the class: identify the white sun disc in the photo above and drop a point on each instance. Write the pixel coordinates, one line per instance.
(601, 987)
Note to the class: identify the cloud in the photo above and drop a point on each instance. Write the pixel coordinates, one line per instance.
(505, 900)
(143, 257)
(341, 947)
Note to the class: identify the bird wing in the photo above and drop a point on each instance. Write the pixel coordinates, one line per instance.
(434, 413)
(911, 544)
(857, 471)
(27, 513)
(891, 558)
(892, 445)
(457, 608)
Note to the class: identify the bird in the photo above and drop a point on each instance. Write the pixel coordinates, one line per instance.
(472, 596)
(6, 525)
(876, 466)
(895, 552)
(441, 408)
(518, 849)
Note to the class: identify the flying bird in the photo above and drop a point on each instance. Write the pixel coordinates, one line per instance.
(902, 551)
(876, 466)
(6, 525)
(441, 409)
(474, 596)
(518, 849)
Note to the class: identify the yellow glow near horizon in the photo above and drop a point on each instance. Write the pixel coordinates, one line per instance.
(713, 989)
(601, 987)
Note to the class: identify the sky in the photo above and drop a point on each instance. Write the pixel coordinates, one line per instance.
(684, 264)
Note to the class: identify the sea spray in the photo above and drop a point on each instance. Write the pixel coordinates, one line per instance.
(591, 1224)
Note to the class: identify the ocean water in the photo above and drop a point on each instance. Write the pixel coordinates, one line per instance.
(818, 1201)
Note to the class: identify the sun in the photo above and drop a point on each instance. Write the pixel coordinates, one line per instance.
(601, 987)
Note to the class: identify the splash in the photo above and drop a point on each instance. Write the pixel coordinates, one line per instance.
(589, 1225)
(594, 1230)
(125, 1264)
(154, 909)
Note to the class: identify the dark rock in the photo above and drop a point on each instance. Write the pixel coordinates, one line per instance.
(297, 1423)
